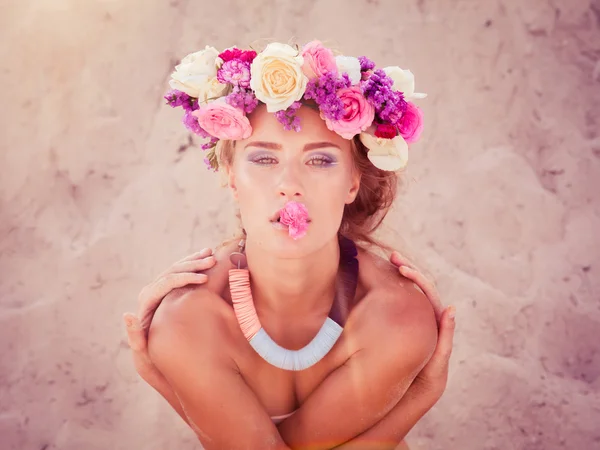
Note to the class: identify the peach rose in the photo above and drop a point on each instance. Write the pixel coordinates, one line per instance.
(276, 77)
(358, 113)
(318, 60)
(223, 121)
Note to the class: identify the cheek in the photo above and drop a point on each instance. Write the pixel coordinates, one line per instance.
(331, 206)
(252, 198)
(246, 180)
(340, 185)
(249, 193)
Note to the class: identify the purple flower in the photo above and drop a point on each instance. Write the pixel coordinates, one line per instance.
(193, 106)
(365, 63)
(323, 91)
(288, 117)
(242, 99)
(177, 98)
(210, 144)
(389, 104)
(236, 72)
(191, 123)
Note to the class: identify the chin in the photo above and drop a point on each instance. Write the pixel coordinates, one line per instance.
(281, 245)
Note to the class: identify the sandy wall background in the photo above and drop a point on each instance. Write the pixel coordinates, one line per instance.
(101, 189)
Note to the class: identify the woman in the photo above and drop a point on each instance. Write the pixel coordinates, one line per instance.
(311, 341)
(422, 394)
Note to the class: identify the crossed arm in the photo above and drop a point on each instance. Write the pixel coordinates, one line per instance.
(422, 394)
(350, 402)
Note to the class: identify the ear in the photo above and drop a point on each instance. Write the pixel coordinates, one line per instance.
(354, 187)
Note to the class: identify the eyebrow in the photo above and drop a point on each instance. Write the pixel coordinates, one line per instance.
(307, 147)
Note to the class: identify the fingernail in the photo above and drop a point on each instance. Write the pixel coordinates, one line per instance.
(129, 321)
(452, 312)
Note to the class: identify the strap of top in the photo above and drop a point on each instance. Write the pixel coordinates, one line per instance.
(346, 282)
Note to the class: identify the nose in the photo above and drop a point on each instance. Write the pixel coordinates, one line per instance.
(290, 183)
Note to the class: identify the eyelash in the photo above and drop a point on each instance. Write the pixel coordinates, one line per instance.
(324, 160)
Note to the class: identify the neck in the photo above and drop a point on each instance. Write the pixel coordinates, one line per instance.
(292, 287)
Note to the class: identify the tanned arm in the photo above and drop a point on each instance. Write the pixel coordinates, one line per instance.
(187, 342)
(396, 342)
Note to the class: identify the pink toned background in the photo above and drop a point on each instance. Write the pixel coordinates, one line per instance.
(101, 190)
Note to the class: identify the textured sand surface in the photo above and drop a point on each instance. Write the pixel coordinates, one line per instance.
(101, 190)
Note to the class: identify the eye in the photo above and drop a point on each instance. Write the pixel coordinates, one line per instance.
(321, 160)
(264, 160)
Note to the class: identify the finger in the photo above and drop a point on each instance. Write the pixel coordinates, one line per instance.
(136, 337)
(427, 287)
(154, 294)
(205, 252)
(398, 260)
(191, 265)
(196, 265)
(443, 349)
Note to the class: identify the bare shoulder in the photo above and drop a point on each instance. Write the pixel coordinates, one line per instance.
(189, 308)
(191, 322)
(196, 316)
(392, 306)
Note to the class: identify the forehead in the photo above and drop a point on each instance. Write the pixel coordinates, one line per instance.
(266, 127)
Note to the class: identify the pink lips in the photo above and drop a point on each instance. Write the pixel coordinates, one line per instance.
(294, 215)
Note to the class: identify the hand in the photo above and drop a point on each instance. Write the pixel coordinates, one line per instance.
(178, 275)
(432, 379)
(434, 376)
(408, 270)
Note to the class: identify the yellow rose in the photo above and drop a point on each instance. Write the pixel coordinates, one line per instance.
(276, 76)
(196, 75)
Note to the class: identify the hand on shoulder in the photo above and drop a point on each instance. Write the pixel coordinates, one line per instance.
(394, 315)
(395, 295)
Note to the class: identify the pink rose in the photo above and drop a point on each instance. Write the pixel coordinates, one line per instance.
(358, 113)
(318, 60)
(411, 123)
(223, 121)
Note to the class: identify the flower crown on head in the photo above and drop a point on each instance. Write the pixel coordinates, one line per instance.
(218, 91)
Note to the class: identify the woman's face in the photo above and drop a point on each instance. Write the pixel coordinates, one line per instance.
(273, 166)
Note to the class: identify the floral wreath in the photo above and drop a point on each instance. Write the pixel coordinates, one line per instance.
(218, 91)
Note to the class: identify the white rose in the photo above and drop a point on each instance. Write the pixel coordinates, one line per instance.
(404, 81)
(276, 76)
(213, 90)
(386, 154)
(196, 75)
(349, 65)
